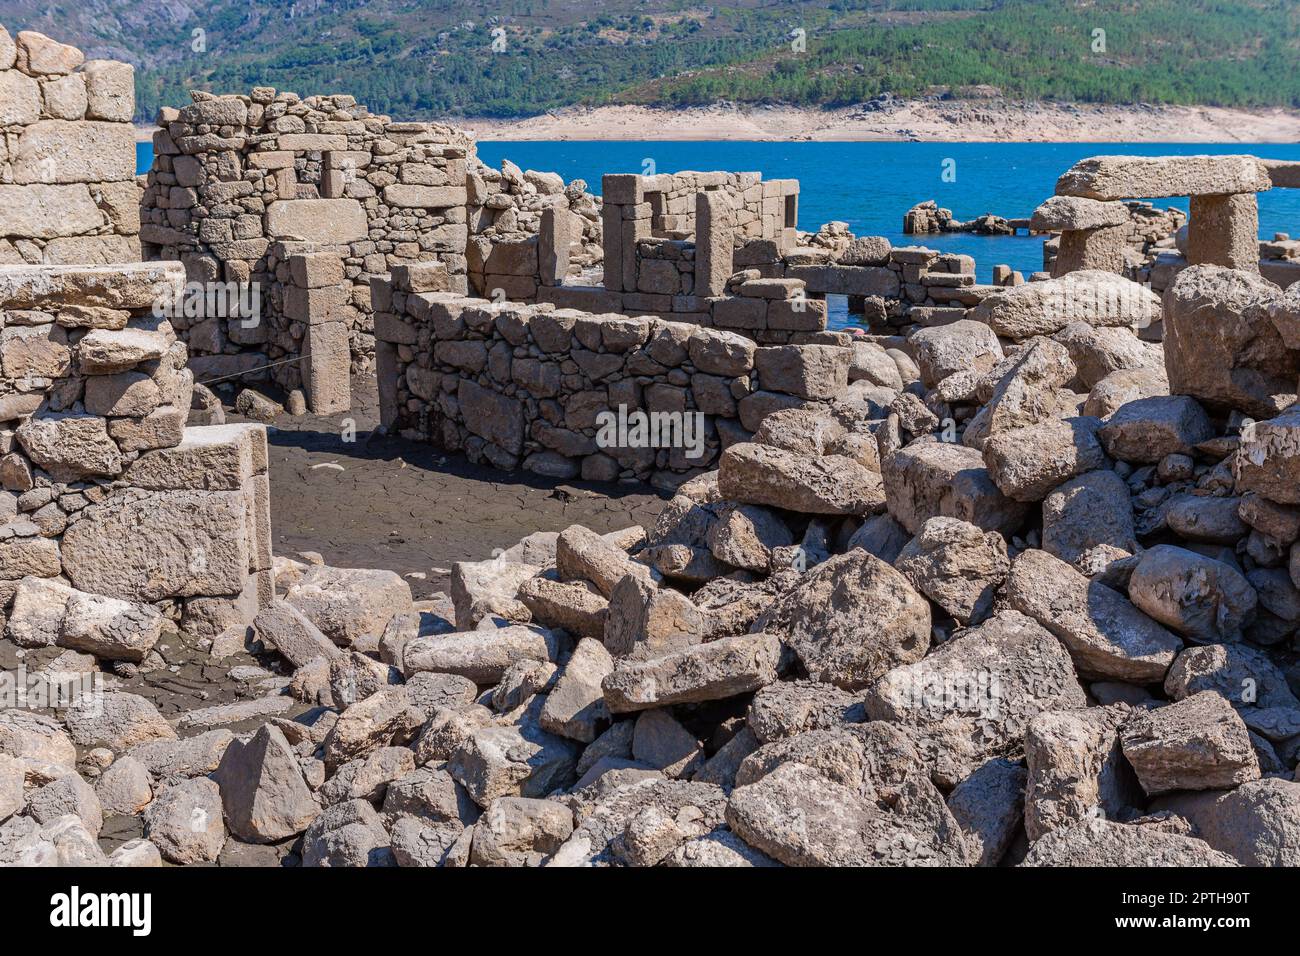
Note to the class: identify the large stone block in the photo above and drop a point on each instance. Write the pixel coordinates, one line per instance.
(47, 211)
(491, 415)
(1222, 348)
(146, 546)
(59, 151)
(317, 220)
(1155, 177)
(110, 90)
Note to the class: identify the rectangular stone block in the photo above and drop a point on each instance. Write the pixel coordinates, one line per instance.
(553, 245)
(612, 245)
(327, 364)
(715, 224)
(212, 457)
(312, 142)
(42, 211)
(421, 277)
(623, 189)
(60, 151)
(316, 306)
(332, 221)
(314, 270)
(424, 197)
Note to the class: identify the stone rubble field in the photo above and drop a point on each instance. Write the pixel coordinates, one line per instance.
(1025, 593)
(1015, 584)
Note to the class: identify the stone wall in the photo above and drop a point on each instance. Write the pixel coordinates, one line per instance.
(104, 488)
(241, 183)
(524, 384)
(67, 155)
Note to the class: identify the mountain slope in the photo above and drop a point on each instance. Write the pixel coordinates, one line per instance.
(421, 58)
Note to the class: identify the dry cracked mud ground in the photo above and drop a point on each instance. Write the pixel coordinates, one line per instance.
(384, 502)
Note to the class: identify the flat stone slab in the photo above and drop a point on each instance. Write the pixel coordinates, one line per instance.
(1156, 177)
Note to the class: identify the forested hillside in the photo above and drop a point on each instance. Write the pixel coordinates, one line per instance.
(421, 58)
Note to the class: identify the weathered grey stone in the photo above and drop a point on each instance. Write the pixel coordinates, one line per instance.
(1220, 345)
(153, 545)
(1147, 429)
(1242, 675)
(957, 566)
(1107, 636)
(971, 699)
(648, 620)
(988, 807)
(124, 788)
(766, 475)
(1192, 594)
(1028, 463)
(482, 589)
(575, 707)
(1109, 178)
(263, 792)
(517, 760)
(482, 656)
(583, 554)
(788, 708)
(575, 606)
(347, 834)
(1085, 512)
(1103, 843)
(712, 671)
(185, 821)
(1198, 743)
(118, 721)
(940, 479)
(961, 346)
(287, 630)
(1076, 769)
(350, 604)
(67, 795)
(518, 831)
(850, 620)
(1268, 460)
(1044, 308)
(1258, 823)
(797, 816)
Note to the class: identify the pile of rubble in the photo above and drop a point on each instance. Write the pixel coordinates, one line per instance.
(1020, 591)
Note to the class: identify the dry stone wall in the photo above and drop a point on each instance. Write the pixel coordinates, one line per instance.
(527, 384)
(105, 490)
(242, 183)
(67, 155)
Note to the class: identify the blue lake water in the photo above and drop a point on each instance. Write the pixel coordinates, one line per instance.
(871, 185)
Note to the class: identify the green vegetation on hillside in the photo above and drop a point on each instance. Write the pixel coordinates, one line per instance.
(435, 58)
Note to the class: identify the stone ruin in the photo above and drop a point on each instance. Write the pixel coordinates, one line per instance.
(1015, 586)
(67, 190)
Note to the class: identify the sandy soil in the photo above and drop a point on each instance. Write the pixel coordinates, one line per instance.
(956, 121)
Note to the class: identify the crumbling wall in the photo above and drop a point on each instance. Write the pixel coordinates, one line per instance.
(67, 155)
(526, 384)
(103, 485)
(241, 183)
